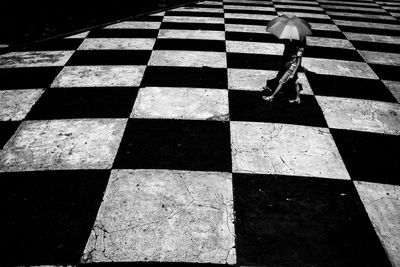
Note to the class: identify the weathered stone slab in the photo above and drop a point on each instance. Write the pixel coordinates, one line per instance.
(34, 59)
(188, 58)
(15, 104)
(117, 44)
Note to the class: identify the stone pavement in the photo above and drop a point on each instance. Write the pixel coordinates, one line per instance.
(147, 141)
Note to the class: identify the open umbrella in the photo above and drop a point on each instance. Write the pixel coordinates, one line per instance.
(289, 27)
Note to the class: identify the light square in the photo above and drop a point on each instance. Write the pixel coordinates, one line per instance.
(15, 104)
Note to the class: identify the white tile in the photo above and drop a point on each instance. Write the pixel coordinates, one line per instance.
(191, 34)
(117, 44)
(199, 9)
(78, 36)
(187, 58)
(212, 3)
(158, 14)
(63, 145)
(15, 104)
(187, 19)
(339, 67)
(99, 76)
(254, 47)
(164, 216)
(248, 16)
(181, 103)
(34, 59)
(255, 8)
(359, 15)
(317, 8)
(304, 14)
(363, 24)
(284, 149)
(248, 79)
(380, 57)
(394, 88)
(382, 203)
(243, 2)
(365, 37)
(324, 27)
(296, 2)
(246, 28)
(355, 9)
(329, 42)
(152, 25)
(332, 2)
(361, 115)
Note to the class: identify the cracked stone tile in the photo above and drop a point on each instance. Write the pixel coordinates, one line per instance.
(254, 47)
(383, 58)
(372, 38)
(191, 34)
(274, 148)
(361, 115)
(63, 144)
(248, 16)
(187, 19)
(382, 202)
(99, 76)
(117, 44)
(187, 58)
(181, 103)
(252, 8)
(15, 104)
(339, 67)
(329, 42)
(78, 36)
(135, 25)
(363, 24)
(394, 88)
(34, 59)
(164, 215)
(199, 9)
(245, 28)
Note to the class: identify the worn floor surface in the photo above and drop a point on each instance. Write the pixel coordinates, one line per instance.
(148, 141)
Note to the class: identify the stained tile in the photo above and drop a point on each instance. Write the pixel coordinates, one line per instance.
(72, 103)
(181, 103)
(187, 59)
(249, 106)
(63, 144)
(272, 213)
(48, 215)
(109, 57)
(99, 76)
(117, 44)
(382, 203)
(164, 215)
(191, 34)
(274, 148)
(34, 59)
(33, 77)
(175, 144)
(15, 104)
(369, 156)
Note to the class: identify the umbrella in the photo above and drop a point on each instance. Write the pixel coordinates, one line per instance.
(289, 27)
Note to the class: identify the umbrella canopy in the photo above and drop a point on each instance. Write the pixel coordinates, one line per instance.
(289, 27)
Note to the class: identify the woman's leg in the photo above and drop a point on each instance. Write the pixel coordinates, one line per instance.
(297, 99)
(271, 97)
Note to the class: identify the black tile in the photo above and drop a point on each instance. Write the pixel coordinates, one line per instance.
(369, 30)
(318, 20)
(123, 33)
(185, 77)
(374, 46)
(249, 106)
(7, 129)
(297, 4)
(252, 37)
(253, 61)
(332, 53)
(364, 19)
(259, 22)
(348, 87)
(300, 221)
(242, 11)
(190, 45)
(146, 18)
(30, 77)
(386, 72)
(109, 57)
(52, 45)
(349, 4)
(372, 12)
(70, 103)
(47, 216)
(255, 3)
(369, 157)
(194, 14)
(193, 26)
(328, 34)
(175, 144)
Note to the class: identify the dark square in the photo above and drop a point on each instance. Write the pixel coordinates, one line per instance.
(51, 45)
(175, 144)
(192, 26)
(186, 77)
(70, 103)
(370, 30)
(300, 221)
(190, 45)
(370, 157)
(194, 14)
(123, 33)
(349, 87)
(30, 77)
(47, 216)
(7, 129)
(253, 61)
(242, 11)
(252, 37)
(246, 21)
(374, 46)
(299, 10)
(249, 106)
(109, 57)
(364, 19)
(386, 72)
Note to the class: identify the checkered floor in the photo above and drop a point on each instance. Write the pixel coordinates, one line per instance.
(148, 141)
